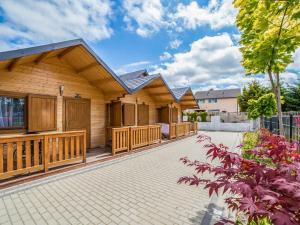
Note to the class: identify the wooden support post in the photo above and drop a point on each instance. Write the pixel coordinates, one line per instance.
(46, 153)
(113, 141)
(84, 148)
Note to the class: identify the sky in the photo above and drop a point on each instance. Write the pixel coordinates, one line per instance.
(191, 43)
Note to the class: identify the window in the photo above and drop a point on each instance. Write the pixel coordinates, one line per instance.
(212, 100)
(201, 101)
(12, 112)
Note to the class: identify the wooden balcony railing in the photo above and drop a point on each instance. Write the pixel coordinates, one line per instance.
(154, 134)
(182, 129)
(31, 153)
(120, 139)
(128, 138)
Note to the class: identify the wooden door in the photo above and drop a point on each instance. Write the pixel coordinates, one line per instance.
(143, 114)
(78, 116)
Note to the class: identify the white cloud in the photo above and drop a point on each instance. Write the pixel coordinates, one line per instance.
(165, 56)
(296, 64)
(144, 16)
(29, 22)
(211, 58)
(175, 43)
(217, 14)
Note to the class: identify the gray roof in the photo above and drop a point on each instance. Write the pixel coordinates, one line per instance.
(180, 92)
(227, 93)
(54, 46)
(137, 80)
(135, 74)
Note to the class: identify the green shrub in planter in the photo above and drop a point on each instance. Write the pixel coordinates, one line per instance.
(203, 116)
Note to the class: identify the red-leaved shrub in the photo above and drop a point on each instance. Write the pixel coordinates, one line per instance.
(257, 190)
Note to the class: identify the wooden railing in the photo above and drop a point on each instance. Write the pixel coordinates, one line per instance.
(139, 136)
(182, 129)
(154, 134)
(194, 127)
(172, 130)
(120, 139)
(128, 138)
(21, 154)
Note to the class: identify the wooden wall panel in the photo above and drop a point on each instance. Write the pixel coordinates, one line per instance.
(141, 97)
(164, 115)
(174, 115)
(46, 77)
(143, 115)
(128, 114)
(116, 114)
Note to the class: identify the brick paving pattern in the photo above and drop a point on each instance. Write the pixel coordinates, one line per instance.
(141, 189)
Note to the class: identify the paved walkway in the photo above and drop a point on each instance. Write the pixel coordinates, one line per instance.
(136, 189)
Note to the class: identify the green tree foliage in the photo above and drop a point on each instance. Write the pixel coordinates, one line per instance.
(253, 90)
(292, 97)
(264, 106)
(192, 116)
(203, 116)
(270, 34)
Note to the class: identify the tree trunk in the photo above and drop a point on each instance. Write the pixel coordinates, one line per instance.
(276, 90)
(278, 101)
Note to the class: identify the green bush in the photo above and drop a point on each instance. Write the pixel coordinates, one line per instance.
(250, 141)
(203, 116)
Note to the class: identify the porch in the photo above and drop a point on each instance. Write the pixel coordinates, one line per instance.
(35, 154)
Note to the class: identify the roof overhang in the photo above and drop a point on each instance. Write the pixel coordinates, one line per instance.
(77, 54)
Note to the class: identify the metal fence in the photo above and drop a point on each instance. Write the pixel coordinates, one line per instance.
(291, 125)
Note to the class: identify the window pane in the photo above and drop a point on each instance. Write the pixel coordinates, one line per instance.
(12, 112)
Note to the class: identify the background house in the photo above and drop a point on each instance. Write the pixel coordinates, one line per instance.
(218, 100)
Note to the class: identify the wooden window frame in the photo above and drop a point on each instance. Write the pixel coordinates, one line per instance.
(9, 94)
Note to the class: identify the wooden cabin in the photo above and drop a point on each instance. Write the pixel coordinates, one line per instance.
(60, 99)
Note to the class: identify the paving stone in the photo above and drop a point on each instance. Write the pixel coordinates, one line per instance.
(137, 189)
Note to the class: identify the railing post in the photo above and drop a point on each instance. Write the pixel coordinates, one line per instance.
(129, 136)
(84, 148)
(148, 136)
(46, 152)
(113, 139)
(176, 130)
(291, 127)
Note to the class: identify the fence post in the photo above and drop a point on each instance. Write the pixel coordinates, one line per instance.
(46, 152)
(291, 127)
(278, 125)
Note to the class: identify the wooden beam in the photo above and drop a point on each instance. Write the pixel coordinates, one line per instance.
(187, 100)
(154, 86)
(66, 51)
(87, 67)
(13, 64)
(160, 94)
(103, 81)
(41, 57)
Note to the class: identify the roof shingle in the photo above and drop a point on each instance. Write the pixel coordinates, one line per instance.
(227, 93)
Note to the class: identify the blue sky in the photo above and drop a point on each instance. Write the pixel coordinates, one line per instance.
(189, 42)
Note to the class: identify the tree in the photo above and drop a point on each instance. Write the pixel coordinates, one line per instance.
(253, 90)
(263, 106)
(292, 97)
(270, 34)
